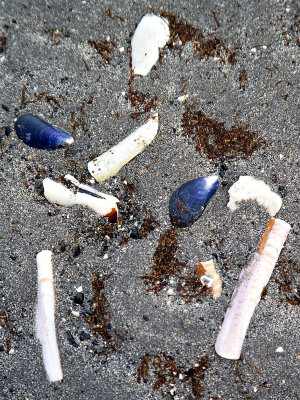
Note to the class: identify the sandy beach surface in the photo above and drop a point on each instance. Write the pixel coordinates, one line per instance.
(145, 328)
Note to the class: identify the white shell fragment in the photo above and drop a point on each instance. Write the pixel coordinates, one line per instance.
(103, 204)
(45, 320)
(110, 162)
(252, 281)
(151, 34)
(250, 188)
(210, 277)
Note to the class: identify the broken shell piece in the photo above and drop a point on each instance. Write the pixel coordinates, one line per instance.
(45, 319)
(188, 202)
(250, 188)
(90, 189)
(110, 162)
(103, 204)
(151, 34)
(209, 277)
(35, 132)
(252, 281)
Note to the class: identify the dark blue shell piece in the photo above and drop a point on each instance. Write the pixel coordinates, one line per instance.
(35, 132)
(188, 202)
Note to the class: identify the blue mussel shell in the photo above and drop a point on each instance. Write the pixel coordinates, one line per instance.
(35, 132)
(188, 202)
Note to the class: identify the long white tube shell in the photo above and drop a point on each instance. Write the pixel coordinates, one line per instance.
(110, 162)
(45, 320)
(253, 279)
(250, 188)
(56, 193)
(151, 34)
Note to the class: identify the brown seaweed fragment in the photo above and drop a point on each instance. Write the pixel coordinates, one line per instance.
(99, 317)
(163, 373)
(107, 13)
(41, 97)
(9, 327)
(184, 32)
(243, 78)
(104, 48)
(142, 102)
(149, 224)
(3, 43)
(166, 265)
(214, 140)
(288, 281)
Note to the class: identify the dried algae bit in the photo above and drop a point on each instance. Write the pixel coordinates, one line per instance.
(210, 278)
(99, 316)
(182, 32)
(252, 281)
(214, 140)
(166, 265)
(162, 371)
(288, 278)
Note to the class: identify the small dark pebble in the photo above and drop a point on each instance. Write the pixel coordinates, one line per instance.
(8, 130)
(13, 257)
(145, 318)
(171, 357)
(84, 336)
(71, 339)
(76, 251)
(88, 312)
(95, 342)
(135, 235)
(224, 183)
(79, 298)
(189, 372)
(1, 347)
(5, 107)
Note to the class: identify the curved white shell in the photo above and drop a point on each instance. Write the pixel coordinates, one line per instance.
(151, 34)
(45, 320)
(57, 193)
(110, 162)
(253, 278)
(250, 188)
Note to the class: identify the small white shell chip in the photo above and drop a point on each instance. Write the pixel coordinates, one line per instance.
(110, 162)
(151, 34)
(250, 188)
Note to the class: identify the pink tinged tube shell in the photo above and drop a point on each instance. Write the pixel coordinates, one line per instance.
(252, 281)
(45, 320)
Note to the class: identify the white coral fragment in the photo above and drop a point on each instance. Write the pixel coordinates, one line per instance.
(252, 281)
(151, 34)
(45, 319)
(210, 277)
(250, 188)
(103, 204)
(110, 162)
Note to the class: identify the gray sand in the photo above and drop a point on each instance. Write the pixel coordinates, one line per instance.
(53, 63)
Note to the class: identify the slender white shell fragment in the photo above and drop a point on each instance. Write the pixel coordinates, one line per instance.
(253, 279)
(250, 188)
(151, 34)
(110, 162)
(56, 193)
(210, 277)
(45, 320)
